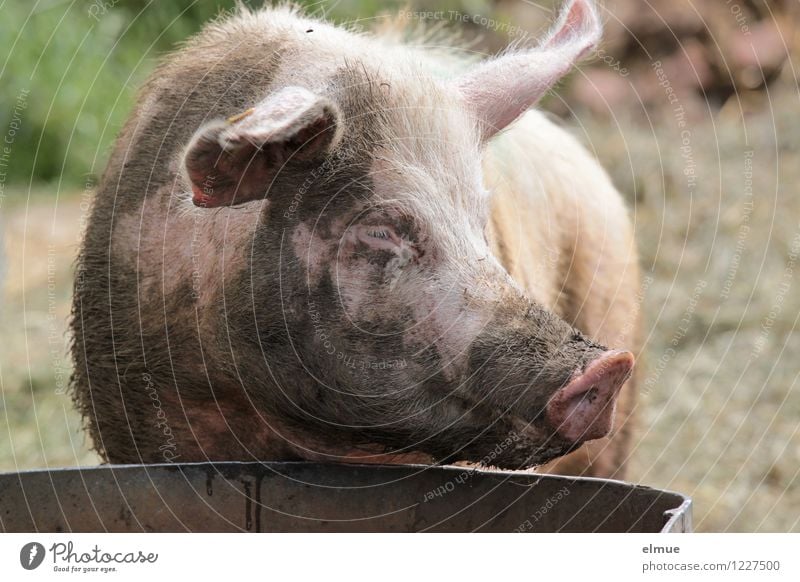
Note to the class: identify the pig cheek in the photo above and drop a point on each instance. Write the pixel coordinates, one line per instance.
(355, 290)
(354, 277)
(141, 238)
(311, 252)
(404, 256)
(445, 320)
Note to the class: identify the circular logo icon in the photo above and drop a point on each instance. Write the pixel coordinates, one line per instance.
(31, 555)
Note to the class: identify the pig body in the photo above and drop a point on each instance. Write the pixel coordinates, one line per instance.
(294, 254)
(578, 258)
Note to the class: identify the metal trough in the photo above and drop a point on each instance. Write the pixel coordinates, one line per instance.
(313, 497)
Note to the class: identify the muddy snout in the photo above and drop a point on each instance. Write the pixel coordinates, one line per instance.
(583, 409)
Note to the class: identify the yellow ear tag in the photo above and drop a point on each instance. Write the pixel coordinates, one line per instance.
(240, 116)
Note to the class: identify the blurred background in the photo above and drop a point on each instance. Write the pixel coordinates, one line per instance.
(691, 105)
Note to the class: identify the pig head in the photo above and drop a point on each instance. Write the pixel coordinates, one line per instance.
(290, 256)
(373, 311)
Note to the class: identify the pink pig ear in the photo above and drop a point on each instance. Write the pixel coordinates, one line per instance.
(500, 90)
(234, 161)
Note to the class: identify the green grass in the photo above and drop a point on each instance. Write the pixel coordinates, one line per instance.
(76, 65)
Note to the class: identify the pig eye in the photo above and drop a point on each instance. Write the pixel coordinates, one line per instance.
(379, 234)
(379, 237)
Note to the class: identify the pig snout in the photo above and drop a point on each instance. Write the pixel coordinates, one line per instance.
(583, 409)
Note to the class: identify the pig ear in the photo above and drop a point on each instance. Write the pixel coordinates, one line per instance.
(501, 90)
(234, 161)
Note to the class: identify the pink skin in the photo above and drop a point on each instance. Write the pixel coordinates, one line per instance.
(584, 409)
(527, 75)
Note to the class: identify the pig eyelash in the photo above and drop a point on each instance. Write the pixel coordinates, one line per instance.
(381, 234)
(380, 237)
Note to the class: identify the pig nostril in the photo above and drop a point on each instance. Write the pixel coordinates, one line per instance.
(584, 408)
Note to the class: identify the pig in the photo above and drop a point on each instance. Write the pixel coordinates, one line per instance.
(312, 243)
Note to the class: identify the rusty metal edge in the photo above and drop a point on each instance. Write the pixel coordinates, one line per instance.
(677, 520)
(680, 518)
